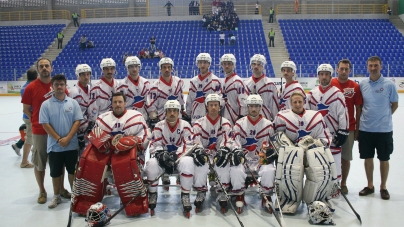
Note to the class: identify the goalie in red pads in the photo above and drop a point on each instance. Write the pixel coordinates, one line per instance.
(118, 139)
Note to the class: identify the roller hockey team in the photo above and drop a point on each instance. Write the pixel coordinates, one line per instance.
(226, 136)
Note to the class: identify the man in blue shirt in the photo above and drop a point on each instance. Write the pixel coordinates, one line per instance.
(60, 116)
(380, 101)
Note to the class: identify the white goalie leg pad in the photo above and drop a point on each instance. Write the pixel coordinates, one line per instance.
(289, 177)
(280, 139)
(321, 174)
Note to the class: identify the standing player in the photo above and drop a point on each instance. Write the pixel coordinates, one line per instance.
(353, 98)
(330, 102)
(135, 87)
(101, 93)
(288, 69)
(200, 87)
(259, 84)
(234, 91)
(250, 134)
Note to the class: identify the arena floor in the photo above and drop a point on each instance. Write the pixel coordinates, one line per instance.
(19, 192)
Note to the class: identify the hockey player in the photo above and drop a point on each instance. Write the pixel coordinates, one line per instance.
(135, 87)
(260, 84)
(167, 87)
(211, 133)
(101, 93)
(234, 91)
(81, 93)
(288, 69)
(200, 87)
(251, 133)
(170, 139)
(330, 102)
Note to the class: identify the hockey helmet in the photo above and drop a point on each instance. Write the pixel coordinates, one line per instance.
(97, 215)
(81, 68)
(228, 57)
(166, 61)
(172, 104)
(213, 97)
(325, 67)
(107, 62)
(254, 99)
(203, 57)
(289, 64)
(133, 60)
(258, 58)
(319, 213)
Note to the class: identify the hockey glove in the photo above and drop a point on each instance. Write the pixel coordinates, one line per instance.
(152, 123)
(166, 160)
(267, 154)
(186, 117)
(99, 139)
(340, 138)
(222, 156)
(125, 143)
(80, 138)
(237, 157)
(200, 156)
(89, 127)
(307, 143)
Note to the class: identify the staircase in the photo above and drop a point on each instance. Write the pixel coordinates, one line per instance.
(279, 53)
(397, 22)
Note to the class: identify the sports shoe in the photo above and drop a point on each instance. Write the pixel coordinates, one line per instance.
(367, 191)
(16, 149)
(42, 198)
(166, 180)
(344, 190)
(384, 194)
(55, 201)
(65, 194)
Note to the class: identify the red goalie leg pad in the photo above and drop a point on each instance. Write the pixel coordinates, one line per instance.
(89, 185)
(128, 181)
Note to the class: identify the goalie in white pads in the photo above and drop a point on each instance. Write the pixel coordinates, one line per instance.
(288, 69)
(251, 135)
(307, 129)
(200, 87)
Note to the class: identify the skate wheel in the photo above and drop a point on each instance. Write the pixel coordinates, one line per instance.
(239, 210)
(223, 210)
(187, 214)
(167, 188)
(151, 212)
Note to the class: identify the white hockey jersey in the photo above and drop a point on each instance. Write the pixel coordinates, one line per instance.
(136, 93)
(234, 96)
(296, 126)
(266, 88)
(287, 91)
(101, 98)
(161, 91)
(173, 139)
(82, 96)
(249, 135)
(330, 102)
(199, 88)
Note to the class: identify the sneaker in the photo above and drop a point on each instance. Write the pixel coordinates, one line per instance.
(384, 194)
(42, 198)
(367, 191)
(55, 201)
(65, 194)
(344, 190)
(16, 149)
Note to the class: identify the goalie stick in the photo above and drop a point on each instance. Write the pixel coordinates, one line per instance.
(350, 205)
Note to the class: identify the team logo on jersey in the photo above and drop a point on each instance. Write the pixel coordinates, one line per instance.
(251, 144)
(171, 147)
(172, 97)
(322, 108)
(349, 92)
(138, 102)
(200, 86)
(303, 133)
(282, 104)
(212, 141)
(200, 97)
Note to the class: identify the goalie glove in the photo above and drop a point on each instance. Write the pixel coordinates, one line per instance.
(125, 143)
(307, 143)
(237, 157)
(80, 138)
(166, 160)
(222, 156)
(341, 137)
(200, 156)
(99, 139)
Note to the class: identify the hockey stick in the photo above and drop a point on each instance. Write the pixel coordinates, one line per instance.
(117, 212)
(280, 221)
(186, 153)
(350, 205)
(74, 180)
(277, 200)
(224, 191)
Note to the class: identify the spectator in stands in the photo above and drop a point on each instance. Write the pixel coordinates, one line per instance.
(221, 38)
(271, 36)
(156, 54)
(214, 3)
(389, 11)
(161, 54)
(153, 43)
(168, 5)
(210, 28)
(75, 17)
(60, 39)
(147, 53)
(142, 54)
(83, 41)
(124, 58)
(204, 23)
(256, 8)
(271, 15)
(90, 44)
(232, 39)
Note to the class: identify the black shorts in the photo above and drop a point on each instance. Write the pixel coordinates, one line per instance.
(381, 141)
(57, 160)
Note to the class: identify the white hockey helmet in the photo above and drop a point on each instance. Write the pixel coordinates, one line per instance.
(107, 62)
(203, 57)
(228, 57)
(174, 104)
(289, 64)
(97, 214)
(254, 99)
(133, 60)
(166, 61)
(212, 98)
(325, 67)
(81, 68)
(258, 58)
(319, 213)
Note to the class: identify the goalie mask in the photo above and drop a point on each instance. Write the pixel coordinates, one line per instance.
(97, 214)
(320, 214)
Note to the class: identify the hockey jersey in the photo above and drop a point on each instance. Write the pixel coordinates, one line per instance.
(82, 96)
(161, 92)
(287, 91)
(173, 139)
(266, 88)
(199, 88)
(136, 93)
(296, 126)
(101, 98)
(249, 135)
(234, 96)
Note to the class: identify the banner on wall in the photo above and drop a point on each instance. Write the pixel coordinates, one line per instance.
(14, 87)
(3, 87)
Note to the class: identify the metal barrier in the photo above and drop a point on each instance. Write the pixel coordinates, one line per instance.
(332, 9)
(35, 15)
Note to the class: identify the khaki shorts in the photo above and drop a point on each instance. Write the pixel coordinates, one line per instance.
(346, 153)
(39, 154)
(28, 132)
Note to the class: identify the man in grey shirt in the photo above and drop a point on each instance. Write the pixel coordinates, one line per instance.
(83, 41)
